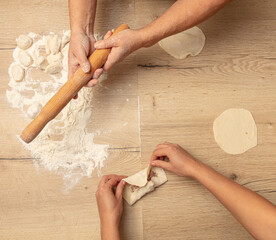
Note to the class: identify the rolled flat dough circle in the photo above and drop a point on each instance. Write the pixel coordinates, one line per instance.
(235, 131)
(181, 45)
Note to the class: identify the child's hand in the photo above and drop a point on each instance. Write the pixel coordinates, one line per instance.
(180, 162)
(109, 202)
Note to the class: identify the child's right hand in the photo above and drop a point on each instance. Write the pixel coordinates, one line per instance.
(180, 162)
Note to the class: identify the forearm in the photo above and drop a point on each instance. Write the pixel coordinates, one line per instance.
(254, 212)
(182, 15)
(109, 231)
(82, 15)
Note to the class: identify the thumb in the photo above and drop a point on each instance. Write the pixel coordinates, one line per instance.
(106, 43)
(120, 189)
(161, 164)
(83, 61)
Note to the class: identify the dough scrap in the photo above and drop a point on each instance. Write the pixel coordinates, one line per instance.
(52, 44)
(24, 42)
(235, 131)
(138, 184)
(18, 73)
(34, 110)
(25, 59)
(41, 62)
(181, 45)
(53, 68)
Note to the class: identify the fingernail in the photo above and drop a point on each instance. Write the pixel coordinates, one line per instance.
(153, 164)
(85, 68)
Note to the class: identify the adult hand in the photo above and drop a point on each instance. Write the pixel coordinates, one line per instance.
(82, 46)
(109, 202)
(180, 162)
(122, 44)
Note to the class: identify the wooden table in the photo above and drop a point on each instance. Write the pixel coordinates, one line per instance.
(161, 99)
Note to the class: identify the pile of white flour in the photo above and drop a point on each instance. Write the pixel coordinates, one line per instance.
(65, 146)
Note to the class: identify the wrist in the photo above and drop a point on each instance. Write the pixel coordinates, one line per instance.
(110, 230)
(87, 29)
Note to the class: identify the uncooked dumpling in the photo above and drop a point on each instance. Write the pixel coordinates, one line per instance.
(17, 72)
(138, 184)
(235, 131)
(25, 59)
(181, 45)
(52, 44)
(34, 110)
(24, 42)
(54, 58)
(53, 68)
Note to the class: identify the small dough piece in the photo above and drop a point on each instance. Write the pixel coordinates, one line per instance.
(53, 68)
(54, 58)
(41, 62)
(24, 42)
(34, 110)
(52, 44)
(181, 45)
(18, 73)
(235, 131)
(138, 184)
(25, 59)
(65, 38)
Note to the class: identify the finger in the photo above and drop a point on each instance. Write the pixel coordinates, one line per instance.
(112, 59)
(83, 61)
(161, 152)
(97, 73)
(104, 179)
(92, 83)
(106, 43)
(108, 34)
(114, 181)
(161, 164)
(120, 189)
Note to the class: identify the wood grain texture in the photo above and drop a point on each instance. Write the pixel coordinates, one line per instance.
(179, 99)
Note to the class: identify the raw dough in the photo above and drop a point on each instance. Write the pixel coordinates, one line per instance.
(52, 44)
(235, 131)
(54, 58)
(53, 68)
(181, 45)
(24, 42)
(41, 62)
(17, 72)
(65, 38)
(138, 184)
(25, 59)
(34, 110)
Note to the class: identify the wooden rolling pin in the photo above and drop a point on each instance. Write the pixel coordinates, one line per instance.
(66, 92)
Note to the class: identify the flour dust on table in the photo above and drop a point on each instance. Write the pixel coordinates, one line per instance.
(64, 146)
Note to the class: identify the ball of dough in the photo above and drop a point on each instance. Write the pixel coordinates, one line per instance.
(34, 110)
(235, 131)
(24, 42)
(181, 45)
(52, 44)
(53, 68)
(25, 59)
(17, 72)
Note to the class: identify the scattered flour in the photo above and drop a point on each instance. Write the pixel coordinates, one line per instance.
(64, 145)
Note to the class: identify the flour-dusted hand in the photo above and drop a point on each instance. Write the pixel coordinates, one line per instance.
(180, 162)
(122, 44)
(110, 204)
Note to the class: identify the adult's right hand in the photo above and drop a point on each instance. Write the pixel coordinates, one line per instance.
(180, 162)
